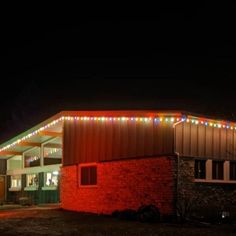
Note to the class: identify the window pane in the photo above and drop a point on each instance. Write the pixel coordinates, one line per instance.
(233, 170)
(217, 169)
(84, 176)
(93, 175)
(32, 180)
(88, 175)
(51, 178)
(16, 181)
(200, 169)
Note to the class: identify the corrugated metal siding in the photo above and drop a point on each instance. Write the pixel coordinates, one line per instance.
(205, 141)
(92, 141)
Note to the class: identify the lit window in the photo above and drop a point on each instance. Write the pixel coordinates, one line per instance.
(88, 175)
(217, 170)
(200, 169)
(32, 180)
(51, 178)
(16, 181)
(233, 170)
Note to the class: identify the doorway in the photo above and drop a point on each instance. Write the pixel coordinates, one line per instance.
(2, 189)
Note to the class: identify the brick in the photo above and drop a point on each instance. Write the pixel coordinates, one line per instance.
(121, 184)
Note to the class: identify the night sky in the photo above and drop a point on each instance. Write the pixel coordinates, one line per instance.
(180, 59)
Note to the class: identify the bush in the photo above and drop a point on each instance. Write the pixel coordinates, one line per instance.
(148, 213)
(127, 214)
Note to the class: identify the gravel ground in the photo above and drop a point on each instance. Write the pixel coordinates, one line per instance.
(54, 221)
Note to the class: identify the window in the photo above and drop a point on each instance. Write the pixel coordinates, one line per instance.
(88, 175)
(232, 170)
(217, 170)
(200, 169)
(51, 178)
(32, 180)
(16, 181)
(32, 158)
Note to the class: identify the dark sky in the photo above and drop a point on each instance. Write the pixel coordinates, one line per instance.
(180, 59)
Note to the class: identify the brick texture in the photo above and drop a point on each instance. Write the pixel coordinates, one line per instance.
(121, 185)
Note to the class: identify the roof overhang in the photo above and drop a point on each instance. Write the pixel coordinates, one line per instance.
(53, 127)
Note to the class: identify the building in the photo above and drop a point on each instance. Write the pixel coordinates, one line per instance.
(112, 160)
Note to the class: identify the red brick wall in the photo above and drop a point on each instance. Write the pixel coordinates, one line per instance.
(121, 185)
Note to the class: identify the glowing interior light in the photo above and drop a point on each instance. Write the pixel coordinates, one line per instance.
(110, 118)
(55, 172)
(219, 125)
(206, 124)
(182, 119)
(161, 119)
(123, 119)
(227, 126)
(146, 119)
(141, 119)
(114, 118)
(211, 124)
(150, 119)
(196, 122)
(188, 120)
(202, 122)
(132, 118)
(136, 119)
(177, 119)
(166, 119)
(214, 125)
(172, 119)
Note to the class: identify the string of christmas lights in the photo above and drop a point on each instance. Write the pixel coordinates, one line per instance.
(196, 121)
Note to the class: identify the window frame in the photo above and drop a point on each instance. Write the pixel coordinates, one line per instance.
(205, 172)
(80, 172)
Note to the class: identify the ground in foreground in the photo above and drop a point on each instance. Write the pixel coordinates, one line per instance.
(54, 221)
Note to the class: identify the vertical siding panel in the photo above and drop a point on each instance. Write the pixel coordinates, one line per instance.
(209, 139)
(123, 138)
(140, 139)
(234, 146)
(116, 140)
(216, 138)
(69, 143)
(223, 144)
(132, 139)
(148, 138)
(201, 140)
(158, 142)
(194, 140)
(74, 142)
(83, 141)
(109, 140)
(186, 139)
(95, 150)
(102, 146)
(179, 138)
(229, 143)
(89, 140)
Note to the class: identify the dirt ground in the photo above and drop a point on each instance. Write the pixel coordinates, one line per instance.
(54, 221)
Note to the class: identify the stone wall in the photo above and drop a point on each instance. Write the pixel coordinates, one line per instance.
(203, 199)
